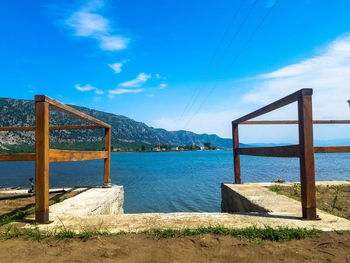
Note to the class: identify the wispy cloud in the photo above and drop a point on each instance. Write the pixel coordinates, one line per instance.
(327, 73)
(158, 76)
(87, 22)
(112, 43)
(122, 91)
(119, 91)
(88, 87)
(117, 67)
(163, 85)
(137, 82)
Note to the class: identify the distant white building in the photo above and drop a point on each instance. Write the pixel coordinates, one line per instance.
(175, 148)
(156, 149)
(202, 148)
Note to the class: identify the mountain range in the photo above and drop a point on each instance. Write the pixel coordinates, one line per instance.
(127, 134)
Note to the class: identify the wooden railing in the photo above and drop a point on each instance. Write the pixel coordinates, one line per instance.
(44, 155)
(305, 150)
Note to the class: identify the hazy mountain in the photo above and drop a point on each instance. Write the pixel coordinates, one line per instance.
(127, 134)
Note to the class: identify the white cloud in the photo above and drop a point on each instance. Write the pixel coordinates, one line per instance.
(119, 91)
(117, 67)
(88, 87)
(163, 85)
(87, 22)
(112, 43)
(158, 76)
(137, 82)
(327, 73)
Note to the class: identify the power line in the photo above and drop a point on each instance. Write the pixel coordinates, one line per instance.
(234, 60)
(240, 27)
(233, 19)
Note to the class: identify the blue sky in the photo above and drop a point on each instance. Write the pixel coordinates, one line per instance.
(150, 60)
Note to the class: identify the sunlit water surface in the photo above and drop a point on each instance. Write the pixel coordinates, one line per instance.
(175, 181)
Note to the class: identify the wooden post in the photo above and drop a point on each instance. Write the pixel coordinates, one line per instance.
(307, 159)
(236, 157)
(107, 161)
(42, 162)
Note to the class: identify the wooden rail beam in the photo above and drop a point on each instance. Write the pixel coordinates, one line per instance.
(307, 158)
(275, 105)
(275, 151)
(17, 157)
(107, 162)
(236, 156)
(42, 162)
(332, 149)
(76, 127)
(71, 127)
(75, 156)
(296, 122)
(69, 110)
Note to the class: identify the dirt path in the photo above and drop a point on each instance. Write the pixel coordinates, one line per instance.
(329, 247)
(334, 199)
(10, 206)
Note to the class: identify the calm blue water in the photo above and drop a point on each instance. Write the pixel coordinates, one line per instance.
(174, 182)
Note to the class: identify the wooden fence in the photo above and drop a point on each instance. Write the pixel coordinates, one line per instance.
(44, 155)
(305, 150)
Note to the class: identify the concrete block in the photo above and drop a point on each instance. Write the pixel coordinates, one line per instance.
(234, 202)
(94, 201)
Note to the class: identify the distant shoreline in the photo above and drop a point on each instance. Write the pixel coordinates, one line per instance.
(172, 151)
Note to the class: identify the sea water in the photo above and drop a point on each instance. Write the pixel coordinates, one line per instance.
(175, 181)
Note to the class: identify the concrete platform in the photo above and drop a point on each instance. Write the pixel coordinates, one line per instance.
(141, 222)
(94, 201)
(282, 212)
(255, 197)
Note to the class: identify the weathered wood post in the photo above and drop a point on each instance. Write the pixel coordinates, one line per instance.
(107, 161)
(236, 157)
(42, 160)
(307, 158)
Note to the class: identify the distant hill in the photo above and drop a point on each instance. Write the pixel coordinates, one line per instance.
(127, 134)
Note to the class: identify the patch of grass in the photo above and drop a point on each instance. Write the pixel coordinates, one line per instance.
(56, 199)
(251, 233)
(333, 199)
(4, 220)
(275, 188)
(337, 189)
(35, 233)
(19, 215)
(83, 235)
(296, 188)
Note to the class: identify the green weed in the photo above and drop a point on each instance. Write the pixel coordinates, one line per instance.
(275, 188)
(4, 220)
(36, 234)
(250, 233)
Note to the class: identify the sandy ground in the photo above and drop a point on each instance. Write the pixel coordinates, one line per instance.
(10, 206)
(334, 199)
(329, 247)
